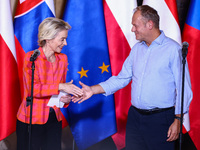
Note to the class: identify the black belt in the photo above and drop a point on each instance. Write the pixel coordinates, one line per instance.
(151, 111)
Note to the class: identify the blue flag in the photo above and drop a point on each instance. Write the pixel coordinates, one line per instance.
(88, 56)
(28, 16)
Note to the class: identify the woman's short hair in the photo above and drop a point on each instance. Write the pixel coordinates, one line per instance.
(149, 13)
(49, 28)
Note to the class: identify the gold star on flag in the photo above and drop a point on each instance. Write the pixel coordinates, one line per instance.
(83, 72)
(104, 68)
(67, 66)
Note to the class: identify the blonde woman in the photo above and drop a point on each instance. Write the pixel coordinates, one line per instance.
(49, 79)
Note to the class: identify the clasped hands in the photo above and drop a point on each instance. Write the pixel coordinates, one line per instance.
(75, 93)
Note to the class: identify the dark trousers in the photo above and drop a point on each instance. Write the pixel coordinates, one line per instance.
(148, 132)
(44, 137)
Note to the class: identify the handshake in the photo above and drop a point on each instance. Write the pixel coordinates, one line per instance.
(79, 95)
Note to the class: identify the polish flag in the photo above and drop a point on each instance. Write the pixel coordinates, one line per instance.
(118, 18)
(9, 87)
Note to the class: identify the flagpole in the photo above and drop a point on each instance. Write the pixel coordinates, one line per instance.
(184, 55)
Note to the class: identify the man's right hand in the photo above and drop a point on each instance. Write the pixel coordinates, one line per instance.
(87, 93)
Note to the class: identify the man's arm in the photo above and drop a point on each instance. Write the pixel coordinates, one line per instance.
(88, 91)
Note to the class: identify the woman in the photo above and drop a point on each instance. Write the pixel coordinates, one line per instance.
(49, 79)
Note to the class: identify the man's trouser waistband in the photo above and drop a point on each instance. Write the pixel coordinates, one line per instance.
(151, 111)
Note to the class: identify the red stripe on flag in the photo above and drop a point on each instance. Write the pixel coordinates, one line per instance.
(9, 90)
(191, 35)
(64, 122)
(173, 8)
(26, 6)
(118, 50)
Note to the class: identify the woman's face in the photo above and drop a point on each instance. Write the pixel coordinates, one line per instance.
(58, 42)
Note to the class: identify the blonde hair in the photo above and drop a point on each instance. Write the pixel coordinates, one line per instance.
(49, 28)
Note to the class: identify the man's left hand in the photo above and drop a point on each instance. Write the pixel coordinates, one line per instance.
(174, 130)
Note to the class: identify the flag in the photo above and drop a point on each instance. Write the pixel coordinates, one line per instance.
(88, 57)
(169, 23)
(29, 14)
(118, 17)
(191, 34)
(9, 87)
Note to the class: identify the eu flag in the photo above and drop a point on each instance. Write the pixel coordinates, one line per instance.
(88, 57)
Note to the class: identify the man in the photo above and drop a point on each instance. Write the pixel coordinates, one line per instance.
(154, 66)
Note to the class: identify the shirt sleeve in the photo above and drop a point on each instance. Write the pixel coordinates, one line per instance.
(177, 68)
(115, 83)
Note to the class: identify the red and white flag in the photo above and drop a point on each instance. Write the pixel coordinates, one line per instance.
(9, 87)
(169, 23)
(118, 17)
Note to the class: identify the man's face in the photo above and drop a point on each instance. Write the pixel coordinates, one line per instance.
(139, 26)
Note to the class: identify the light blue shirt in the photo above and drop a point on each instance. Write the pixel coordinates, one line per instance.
(156, 74)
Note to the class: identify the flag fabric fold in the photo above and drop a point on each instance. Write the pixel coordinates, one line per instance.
(118, 17)
(88, 57)
(191, 34)
(9, 87)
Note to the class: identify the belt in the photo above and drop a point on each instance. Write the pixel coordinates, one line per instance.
(151, 111)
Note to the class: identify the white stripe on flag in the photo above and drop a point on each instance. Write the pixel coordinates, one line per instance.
(123, 12)
(186, 122)
(29, 10)
(50, 3)
(21, 1)
(6, 26)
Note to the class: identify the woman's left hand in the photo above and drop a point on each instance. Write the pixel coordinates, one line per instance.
(66, 99)
(70, 88)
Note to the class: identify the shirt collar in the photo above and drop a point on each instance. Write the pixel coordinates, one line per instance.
(159, 40)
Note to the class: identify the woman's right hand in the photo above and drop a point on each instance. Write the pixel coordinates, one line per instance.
(70, 88)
